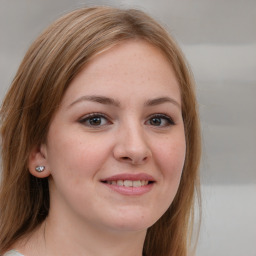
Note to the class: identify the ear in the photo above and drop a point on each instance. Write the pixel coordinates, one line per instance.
(38, 157)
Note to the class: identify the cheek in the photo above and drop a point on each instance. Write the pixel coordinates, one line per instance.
(170, 157)
(76, 156)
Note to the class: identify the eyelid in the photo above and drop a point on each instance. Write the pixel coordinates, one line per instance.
(86, 118)
(168, 118)
(94, 114)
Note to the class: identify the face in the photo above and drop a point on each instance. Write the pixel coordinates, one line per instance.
(116, 146)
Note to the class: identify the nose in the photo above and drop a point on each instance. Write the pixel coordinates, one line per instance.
(132, 146)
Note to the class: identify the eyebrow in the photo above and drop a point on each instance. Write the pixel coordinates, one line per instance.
(162, 100)
(99, 99)
(109, 101)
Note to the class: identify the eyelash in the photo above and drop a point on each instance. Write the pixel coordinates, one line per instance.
(165, 117)
(94, 115)
(90, 117)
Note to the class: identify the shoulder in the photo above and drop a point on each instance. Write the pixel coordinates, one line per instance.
(12, 253)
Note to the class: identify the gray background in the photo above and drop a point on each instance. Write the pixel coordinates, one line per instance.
(218, 38)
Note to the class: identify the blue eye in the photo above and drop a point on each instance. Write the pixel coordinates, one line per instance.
(160, 120)
(94, 120)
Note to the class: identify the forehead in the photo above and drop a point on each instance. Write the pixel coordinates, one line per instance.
(128, 67)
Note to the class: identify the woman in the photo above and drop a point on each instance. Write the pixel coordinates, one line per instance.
(100, 141)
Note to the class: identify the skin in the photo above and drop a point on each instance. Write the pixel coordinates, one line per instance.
(130, 136)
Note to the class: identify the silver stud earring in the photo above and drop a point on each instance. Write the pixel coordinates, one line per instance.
(40, 168)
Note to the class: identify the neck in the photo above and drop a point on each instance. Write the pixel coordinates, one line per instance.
(89, 240)
(58, 236)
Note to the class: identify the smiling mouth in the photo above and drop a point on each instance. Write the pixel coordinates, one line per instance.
(129, 183)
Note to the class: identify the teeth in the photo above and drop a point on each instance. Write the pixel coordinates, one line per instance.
(128, 183)
(120, 183)
(136, 183)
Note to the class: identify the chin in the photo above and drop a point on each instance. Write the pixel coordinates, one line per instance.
(134, 221)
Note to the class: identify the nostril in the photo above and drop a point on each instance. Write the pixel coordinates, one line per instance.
(126, 158)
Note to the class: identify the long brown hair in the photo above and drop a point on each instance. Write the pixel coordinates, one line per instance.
(46, 71)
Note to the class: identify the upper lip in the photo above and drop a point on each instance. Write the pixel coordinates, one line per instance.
(130, 176)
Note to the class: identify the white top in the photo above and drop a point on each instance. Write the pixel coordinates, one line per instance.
(13, 253)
